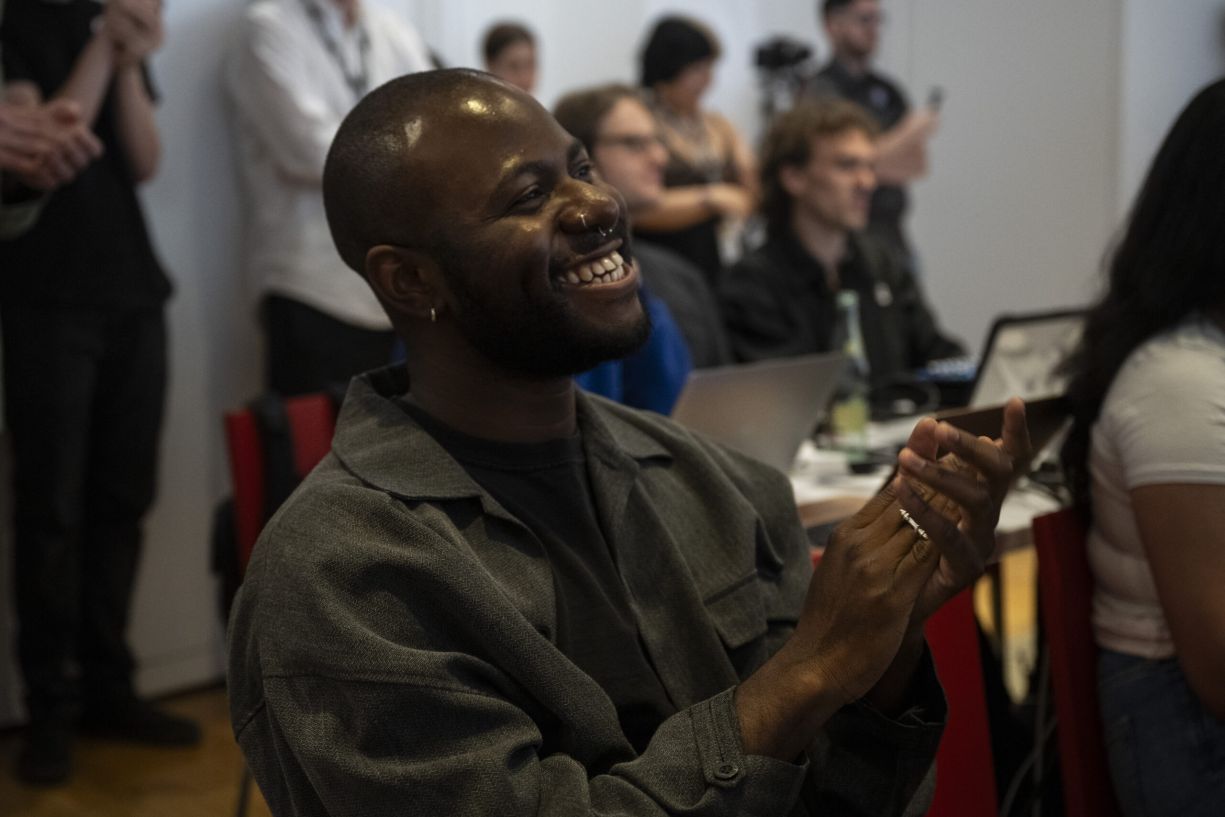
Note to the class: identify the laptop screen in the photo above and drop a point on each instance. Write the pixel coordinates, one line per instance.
(1023, 354)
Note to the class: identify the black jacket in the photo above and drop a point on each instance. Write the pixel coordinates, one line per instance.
(776, 303)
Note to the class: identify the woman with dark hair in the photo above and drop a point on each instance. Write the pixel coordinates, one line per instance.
(710, 175)
(1147, 454)
(510, 54)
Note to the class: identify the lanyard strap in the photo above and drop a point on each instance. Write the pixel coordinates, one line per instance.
(359, 81)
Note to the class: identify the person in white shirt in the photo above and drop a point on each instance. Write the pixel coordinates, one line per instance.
(297, 67)
(1146, 454)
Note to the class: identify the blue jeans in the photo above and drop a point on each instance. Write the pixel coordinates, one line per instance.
(1166, 752)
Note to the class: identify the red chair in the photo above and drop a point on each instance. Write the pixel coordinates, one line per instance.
(965, 767)
(1065, 591)
(312, 420)
(965, 770)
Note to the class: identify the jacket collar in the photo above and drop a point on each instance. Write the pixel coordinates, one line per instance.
(382, 445)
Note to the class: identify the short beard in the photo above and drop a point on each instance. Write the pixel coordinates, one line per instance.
(552, 342)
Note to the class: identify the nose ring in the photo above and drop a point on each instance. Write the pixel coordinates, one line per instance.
(603, 231)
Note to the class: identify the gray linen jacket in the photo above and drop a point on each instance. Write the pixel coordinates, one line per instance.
(391, 650)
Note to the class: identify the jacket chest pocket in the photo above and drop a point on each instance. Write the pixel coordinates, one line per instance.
(739, 617)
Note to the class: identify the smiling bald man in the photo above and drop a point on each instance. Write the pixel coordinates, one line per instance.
(501, 596)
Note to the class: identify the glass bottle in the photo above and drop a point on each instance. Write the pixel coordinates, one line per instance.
(849, 415)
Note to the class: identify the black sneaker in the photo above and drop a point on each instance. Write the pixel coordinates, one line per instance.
(45, 758)
(137, 721)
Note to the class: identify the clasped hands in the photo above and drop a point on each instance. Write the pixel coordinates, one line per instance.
(43, 145)
(880, 579)
(134, 28)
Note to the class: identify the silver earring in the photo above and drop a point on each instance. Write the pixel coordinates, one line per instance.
(582, 219)
(433, 315)
(604, 232)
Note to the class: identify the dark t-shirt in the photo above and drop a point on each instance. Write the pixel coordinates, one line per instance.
(777, 303)
(90, 246)
(698, 243)
(545, 486)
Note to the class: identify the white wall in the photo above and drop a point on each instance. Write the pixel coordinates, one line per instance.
(1154, 87)
(1021, 196)
(1047, 119)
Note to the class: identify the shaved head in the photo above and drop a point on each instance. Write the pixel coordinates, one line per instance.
(376, 189)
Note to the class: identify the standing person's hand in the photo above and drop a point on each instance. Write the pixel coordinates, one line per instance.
(902, 150)
(730, 200)
(135, 29)
(44, 146)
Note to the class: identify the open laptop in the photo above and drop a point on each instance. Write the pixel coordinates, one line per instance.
(1022, 355)
(764, 409)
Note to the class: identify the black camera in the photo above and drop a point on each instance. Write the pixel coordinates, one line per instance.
(781, 54)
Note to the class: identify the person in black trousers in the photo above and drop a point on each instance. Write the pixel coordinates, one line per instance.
(81, 304)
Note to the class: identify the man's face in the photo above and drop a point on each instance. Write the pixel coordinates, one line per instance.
(516, 63)
(517, 214)
(855, 29)
(835, 187)
(629, 153)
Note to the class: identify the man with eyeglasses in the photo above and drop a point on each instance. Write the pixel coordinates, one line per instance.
(853, 28)
(620, 135)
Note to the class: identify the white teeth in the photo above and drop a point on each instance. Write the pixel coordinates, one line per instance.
(606, 270)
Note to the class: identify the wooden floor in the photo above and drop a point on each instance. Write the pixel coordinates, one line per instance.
(117, 780)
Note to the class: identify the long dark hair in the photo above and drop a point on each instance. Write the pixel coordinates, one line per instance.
(1169, 262)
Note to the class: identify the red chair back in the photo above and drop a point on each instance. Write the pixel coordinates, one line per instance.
(1065, 591)
(312, 420)
(965, 768)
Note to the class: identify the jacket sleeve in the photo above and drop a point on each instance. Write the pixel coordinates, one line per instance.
(427, 747)
(863, 763)
(349, 700)
(759, 323)
(391, 683)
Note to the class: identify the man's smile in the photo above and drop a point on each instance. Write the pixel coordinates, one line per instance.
(603, 270)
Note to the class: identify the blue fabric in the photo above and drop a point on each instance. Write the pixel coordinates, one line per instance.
(652, 377)
(1166, 752)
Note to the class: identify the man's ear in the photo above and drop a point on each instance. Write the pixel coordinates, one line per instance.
(405, 280)
(793, 180)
